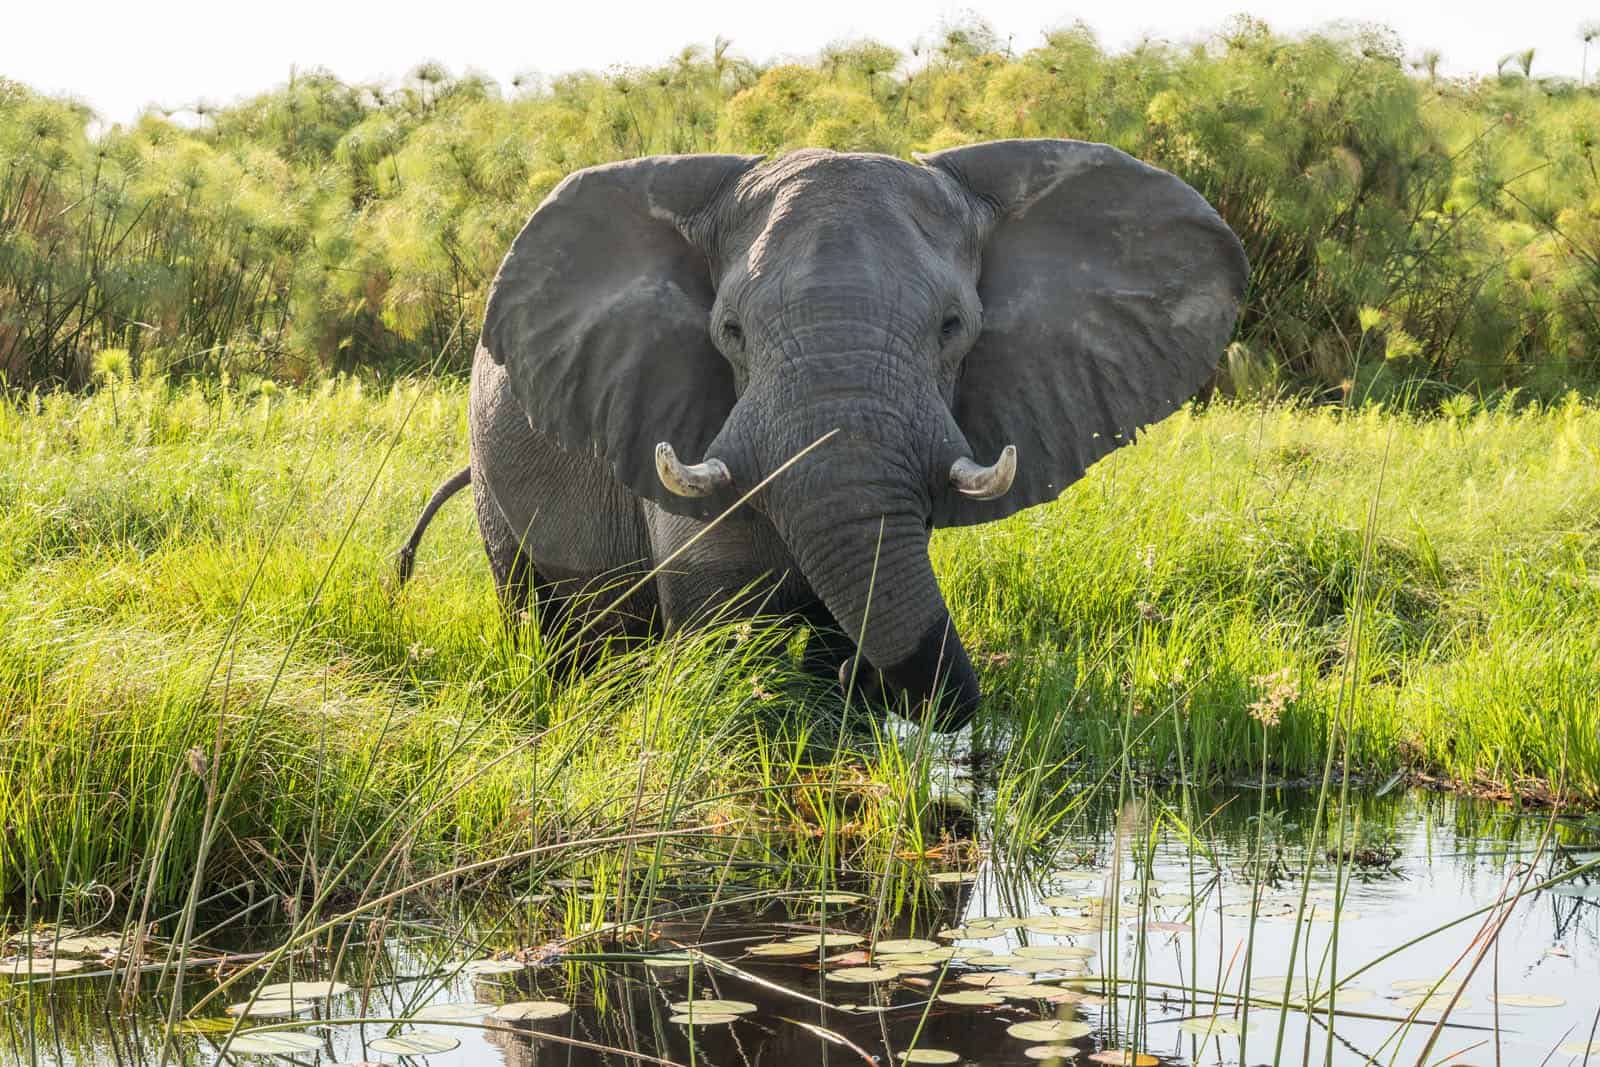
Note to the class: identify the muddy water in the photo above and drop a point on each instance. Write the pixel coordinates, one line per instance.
(1167, 927)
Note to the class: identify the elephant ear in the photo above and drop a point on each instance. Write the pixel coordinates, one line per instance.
(1109, 289)
(600, 315)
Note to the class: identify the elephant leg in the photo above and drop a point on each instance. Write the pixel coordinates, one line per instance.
(563, 538)
(514, 574)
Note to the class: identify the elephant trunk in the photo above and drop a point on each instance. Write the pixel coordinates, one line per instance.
(873, 573)
(854, 516)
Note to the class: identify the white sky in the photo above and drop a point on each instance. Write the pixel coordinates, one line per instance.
(119, 55)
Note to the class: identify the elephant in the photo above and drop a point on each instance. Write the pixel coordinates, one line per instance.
(853, 348)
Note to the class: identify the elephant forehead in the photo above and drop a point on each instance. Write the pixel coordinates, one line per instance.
(843, 200)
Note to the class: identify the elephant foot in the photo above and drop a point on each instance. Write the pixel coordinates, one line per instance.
(863, 685)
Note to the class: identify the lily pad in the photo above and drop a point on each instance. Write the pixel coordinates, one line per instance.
(1528, 1000)
(779, 949)
(1124, 1058)
(1210, 1026)
(1051, 1052)
(861, 974)
(302, 990)
(1425, 985)
(1055, 952)
(929, 1055)
(1050, 1030)
(993, 980)
(40, 965)
(276, 1044)
(1039, 991)
(1579, 1048)
(527, 1011)
(952, 877)
(415, 1044)
(713, 1007)
(92, 945)
(669, 960)
(450, 1012)
(835, 898)
(904, 946)
(486, 967)
(1436, 1002)
(972, 998)
(828, 940)
(902, 967)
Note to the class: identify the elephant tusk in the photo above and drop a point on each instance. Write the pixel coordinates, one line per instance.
(985, 483)
(699, 479)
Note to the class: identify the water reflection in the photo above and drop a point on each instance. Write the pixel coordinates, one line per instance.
(1142, 900)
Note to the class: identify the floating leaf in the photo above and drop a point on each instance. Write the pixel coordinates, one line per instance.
(973, 997)
(90, 945)
(904, 946)
(1425, 985)
(527, 1011)
(449, 1012)
(1078, 901)
(1436, 1002)
(829, 940)
(1209, 1025)
(302, 990)
(993, 980)
(929, 1055)
(835, 898)
(1528, 1000)
(1168, 928)
(1580, 1048)
(702, 1018)
(40, 965)
(1049, 1030)
(861, 974)
(782, 948)
(1038, 991)
(670, 959)
(713, 1007)
(1051, 1052)
(485, 967)
(1124, 1058)
(276, 1044)
(1055, 952)
(415, 1044)
(1064, 924)
(900, 967)
(953, 877)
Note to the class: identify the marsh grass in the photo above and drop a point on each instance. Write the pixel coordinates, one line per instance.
(161, 556)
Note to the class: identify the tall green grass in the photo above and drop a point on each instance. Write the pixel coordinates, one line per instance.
(1403, 228)
(182, 609)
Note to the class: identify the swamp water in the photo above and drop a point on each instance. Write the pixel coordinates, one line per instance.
(1131, 931)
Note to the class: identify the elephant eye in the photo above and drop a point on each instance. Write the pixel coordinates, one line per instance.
(950, 327)
(733, 332)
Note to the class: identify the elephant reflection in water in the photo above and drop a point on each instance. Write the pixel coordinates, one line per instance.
(964, 335)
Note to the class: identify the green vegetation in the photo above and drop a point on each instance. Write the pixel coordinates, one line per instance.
(202, 654)
(1411, 235)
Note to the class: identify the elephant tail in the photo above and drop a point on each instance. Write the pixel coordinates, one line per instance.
(406, 558)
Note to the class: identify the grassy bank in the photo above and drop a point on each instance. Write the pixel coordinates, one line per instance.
(197, 623)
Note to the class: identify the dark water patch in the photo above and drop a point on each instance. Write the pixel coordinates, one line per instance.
(1140, 928)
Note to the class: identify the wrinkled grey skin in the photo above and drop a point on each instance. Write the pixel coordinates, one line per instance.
(1053, 295)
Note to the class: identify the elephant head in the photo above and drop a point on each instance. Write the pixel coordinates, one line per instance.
(975, 329)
